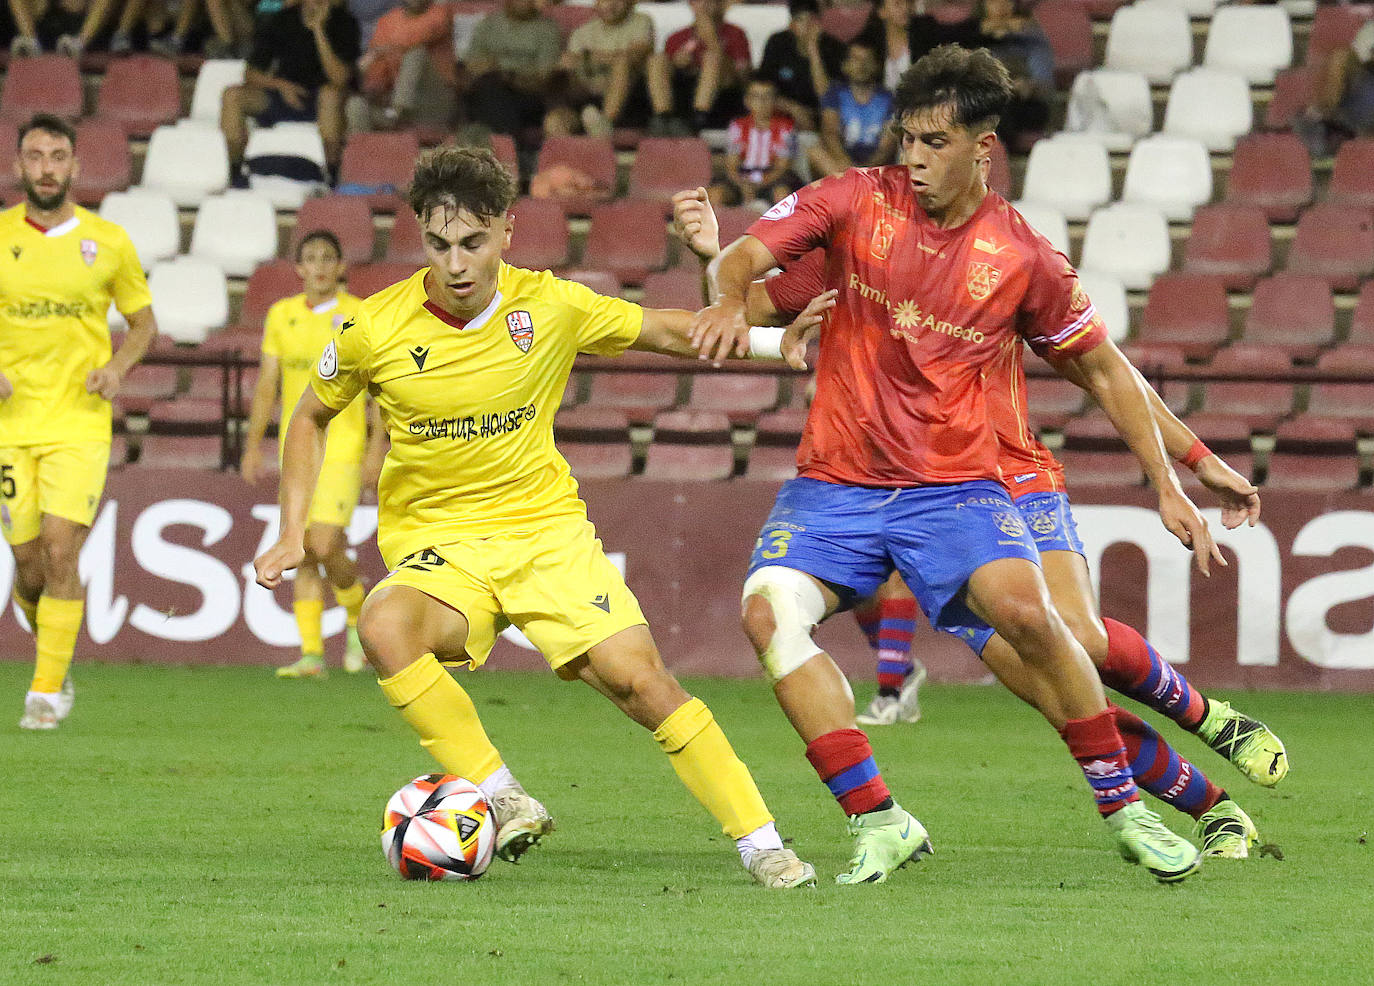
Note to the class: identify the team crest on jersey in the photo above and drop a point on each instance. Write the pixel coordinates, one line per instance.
(329, 362)
(1009, 524)
(1042, 522)
(521, 328)
(1078, 298)
(982, 278)
(782, 209)
(88, 252)
(883, 233)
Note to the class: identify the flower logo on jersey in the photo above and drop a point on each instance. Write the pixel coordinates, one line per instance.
(1009, 524)
(982, 278)
(783, 209)
(88, 252)
(329, 362)
(907, 314)
(521, 328)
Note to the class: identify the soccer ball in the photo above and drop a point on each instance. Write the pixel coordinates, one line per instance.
(439, 827)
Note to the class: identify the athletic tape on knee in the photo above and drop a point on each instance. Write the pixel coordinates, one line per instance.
(411, 681)
(797, 606)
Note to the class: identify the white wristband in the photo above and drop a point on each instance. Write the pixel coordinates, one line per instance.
(765, 342)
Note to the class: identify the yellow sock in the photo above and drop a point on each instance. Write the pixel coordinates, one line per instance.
(30, 610)
(309, 619)
(440, 711)
(58, 621)
(706, 764)
(351, 599)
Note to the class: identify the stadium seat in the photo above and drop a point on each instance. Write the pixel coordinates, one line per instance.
(1362, 320)
(664, 165)
(639, 395)
(140, 93)
(1069, 31)
(189, 163)
(1102, 469)
(1260, 403)
(1172, 174)
(771, 464)
(180, 452)
(1292, 311)
(503, 146)
(844, 22)
(1333, 27)
(1255, 41)
(190, 298)
(381, 161)
(1188, 312)
(1048, 221)
(1352, 175)
(592, 156)
(214, 76)
(569, 17)
(781, 427)
(1111, 106)
(999, 170)
(236, 230)
(1335, 242)
(267, 285)
(690, 445)
(677, 287)
(1151, 38)
(1052, 401)
(405, 244)
(1195, 9)
(1108, 296)
(41, 84)
(1230, 241)
(741, 397)
(150, 219)
(1352, 403)
(540, 237)
(347, 217)
(597, 460)
(368, 279)
(9, 182)
(1310, 473)
(300, 140)
(1211, 105)
(628, 238)
(600, 281)
(1293, 92)
(759, 21)
(591, 424)
(186, 416)
(144, 386)
(1070, 172)
(1130, 241)
(1274, 172)
(734, 221)
(106, 165)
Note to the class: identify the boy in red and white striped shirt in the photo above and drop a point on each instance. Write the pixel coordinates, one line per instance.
(758, 164)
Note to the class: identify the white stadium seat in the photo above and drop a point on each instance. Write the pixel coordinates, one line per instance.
(190, 298)
(1196, 9)
(295, 139)
(1070, 172)
(760, 21)
(150, 219)
(215, 75)
(1173, 174)
(1129, 241)
(1048, 221)
(1211, 105)
(1111, 106)
(189, 162)
(1255, 41)
(1152, 38)
(236, 231)
(1108, 295)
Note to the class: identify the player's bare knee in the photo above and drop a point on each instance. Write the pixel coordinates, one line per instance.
(1024, 622)
(59, 558)
(387, 633)
(1088, 630)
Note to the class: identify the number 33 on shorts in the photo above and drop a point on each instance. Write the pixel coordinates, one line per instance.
(777, 544)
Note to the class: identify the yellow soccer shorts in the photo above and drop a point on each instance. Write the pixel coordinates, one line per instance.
(556, 585)
(65, 480)
(336, 494)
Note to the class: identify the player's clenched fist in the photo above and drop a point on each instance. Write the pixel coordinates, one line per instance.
(281, 557)
(694, 221)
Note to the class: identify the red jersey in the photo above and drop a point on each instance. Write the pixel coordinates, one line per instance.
(758, 147)
(927, 332)
(732, 39)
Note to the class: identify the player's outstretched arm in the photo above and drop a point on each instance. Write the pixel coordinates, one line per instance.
(721, 327)
(1116, 386)
(667, 331)
(301, 459)
(106, 380)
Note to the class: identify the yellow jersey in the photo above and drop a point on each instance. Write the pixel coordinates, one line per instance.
(469, 406)
(296, 334)
(55, 291)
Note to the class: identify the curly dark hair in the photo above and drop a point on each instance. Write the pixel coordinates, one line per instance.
(974, 82)
(468, 178)
(48, 123)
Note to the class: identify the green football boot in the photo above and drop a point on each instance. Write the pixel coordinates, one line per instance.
(1248, 743)
(884, 841)
(1142, 838)
(309, 666)
(1226, 831)
(354, 659)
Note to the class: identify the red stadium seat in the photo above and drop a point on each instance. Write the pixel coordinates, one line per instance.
(1230, 242)
(1335, 242)
(1312, 473)
(1189, 312)
(1352, 175)
(639, 395)
(379, 160)
(742, 397)
(349, 218)
(266, 286)
(1333, 27)
(145, 386)
(1273, 172)
(1224, 433)
(368, 279)
(1113, 469)
(180, 452)
(771, 463)
(600, 281)
(690, 445)
(1262, 404)
(569, 17)
(1069, 31)
(999, 171)
(592, 156)
(597, 460)
(140, 93)
(1309, 432)
(1362, 321)
(1156, 362)
(540, 237)
(734, 221)
(405, 244)
(1295, 311)
(106, 165)
(42, 84)
(628, 238)
(589, 424)
(782, 427)
(843, 22)
(664, 165)
(1350, 402)
(1052, 401)
(677, 287)
(503, 146)
(9, 184)
(1293, 88)
(186, 416)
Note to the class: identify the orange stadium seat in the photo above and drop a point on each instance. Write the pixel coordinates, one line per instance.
(267, 285)
(690, 445)
(1293, 88)
(1187, 311)
(664, 165)
(592, 156)
(1294, 311)
(368, 279)
(1069, 31)
(1273, 172)
(741, 397)
(677, 287)
(106, 165)
(405, 244)
(1230, 241)
(1352, 175)
(1335, 242)
(348, 218)
(378, 160)
(540, 238)
(140, 93)
(1262, 404)
(628, 238)
(41, 84)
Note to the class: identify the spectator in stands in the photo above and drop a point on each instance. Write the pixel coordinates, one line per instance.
(300, 69)
(511, 65)
(606, 61)
(369, 14)
(854, 118)
(68, 27)
(1344, 103)
(888, 32)
(801, 61)
(409, 72)
(166, 24)
(762, 145)
(700, 72)
(234, 24)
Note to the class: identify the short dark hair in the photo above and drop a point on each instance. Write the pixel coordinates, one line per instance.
(48, 123)
(321, 236)
(468, 178)
(795, 7)
(973, 82)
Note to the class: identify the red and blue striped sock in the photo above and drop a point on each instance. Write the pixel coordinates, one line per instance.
(1136, 670)
(895, 630)
(1162, 770)
(844, 760)
(1101, 754)
(868, 614)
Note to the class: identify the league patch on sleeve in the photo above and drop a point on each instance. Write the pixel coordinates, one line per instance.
(782, 209)
(329, 362)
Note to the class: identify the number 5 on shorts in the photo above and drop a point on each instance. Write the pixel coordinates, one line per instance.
(6, 482)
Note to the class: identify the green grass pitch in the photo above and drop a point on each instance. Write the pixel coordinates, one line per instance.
(216, 825)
